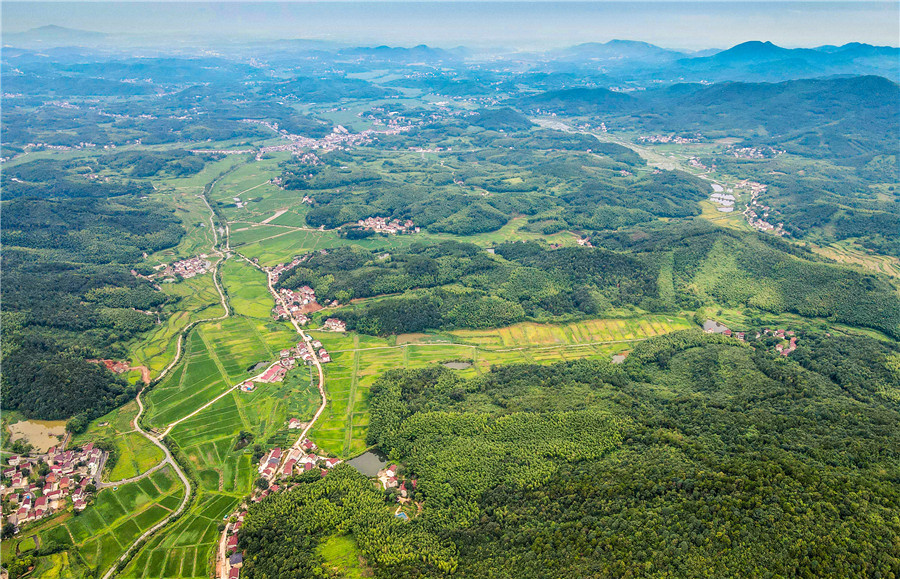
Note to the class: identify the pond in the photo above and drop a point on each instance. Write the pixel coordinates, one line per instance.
(41, 434)
(457, 365)
(368, 463)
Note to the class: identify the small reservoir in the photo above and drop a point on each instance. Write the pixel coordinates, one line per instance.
(368, 463)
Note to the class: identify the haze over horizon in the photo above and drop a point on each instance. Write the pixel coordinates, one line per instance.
(509, 25)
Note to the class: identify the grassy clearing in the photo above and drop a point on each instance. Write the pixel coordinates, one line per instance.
(341, 558)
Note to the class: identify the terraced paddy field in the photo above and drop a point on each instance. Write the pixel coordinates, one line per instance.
(359, 360)
(847, 253)
(187, 547)
(102, 532)
(530, 334)
(197, 299)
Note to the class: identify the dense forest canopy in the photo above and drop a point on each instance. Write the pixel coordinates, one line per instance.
(698, 455)
(69, 295)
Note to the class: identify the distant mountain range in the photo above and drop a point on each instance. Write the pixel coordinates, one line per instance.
(617, 60)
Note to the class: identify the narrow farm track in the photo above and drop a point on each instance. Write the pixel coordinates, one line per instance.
(169, 460)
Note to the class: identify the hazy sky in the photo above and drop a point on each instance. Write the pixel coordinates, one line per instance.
(672, 24)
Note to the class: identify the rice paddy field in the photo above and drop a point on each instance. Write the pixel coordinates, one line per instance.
(102, 532)
(247, 291)
(187, 547)
(847, 253)
(358, 361)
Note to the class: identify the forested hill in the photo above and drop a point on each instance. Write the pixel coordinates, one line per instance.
(457, 285)
(68, 295)
(831, 118)
(699, 456)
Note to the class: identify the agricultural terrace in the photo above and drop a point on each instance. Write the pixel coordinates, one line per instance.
(187, 547)
(102, 532)
(359, 360)
(847, 253)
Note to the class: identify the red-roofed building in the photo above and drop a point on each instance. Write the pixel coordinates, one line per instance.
(232, 543)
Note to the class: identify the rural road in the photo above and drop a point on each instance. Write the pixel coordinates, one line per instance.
(136, 421)
(168, 460)
(222, 566)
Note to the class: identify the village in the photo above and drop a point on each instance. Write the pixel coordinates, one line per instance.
(382, 225)
(753, 152)
(754, 208)
(39, 485)
(667, 139)
(299, 460)
(786, 345)
(289, 359)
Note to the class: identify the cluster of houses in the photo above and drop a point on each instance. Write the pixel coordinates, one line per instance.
(754, 152)
(276, 271)
(697, 164)
(188, 268)
(334, 325)
(390, 478)
(340, 139)
(303, 458)
(70, 472)
(274, 373)
(713, 327)
(234, 559)
(288, 359)
(306, 354)
(756, 213)
(382, 225)
(667, 139)
(788, 335)
(297, 303)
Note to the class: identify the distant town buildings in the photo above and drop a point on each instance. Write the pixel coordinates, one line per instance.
(667, 139)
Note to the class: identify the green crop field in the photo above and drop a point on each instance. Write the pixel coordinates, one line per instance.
(103, 531)
(359, 360)
(186, 548)
(247, 290)
(136, 455)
